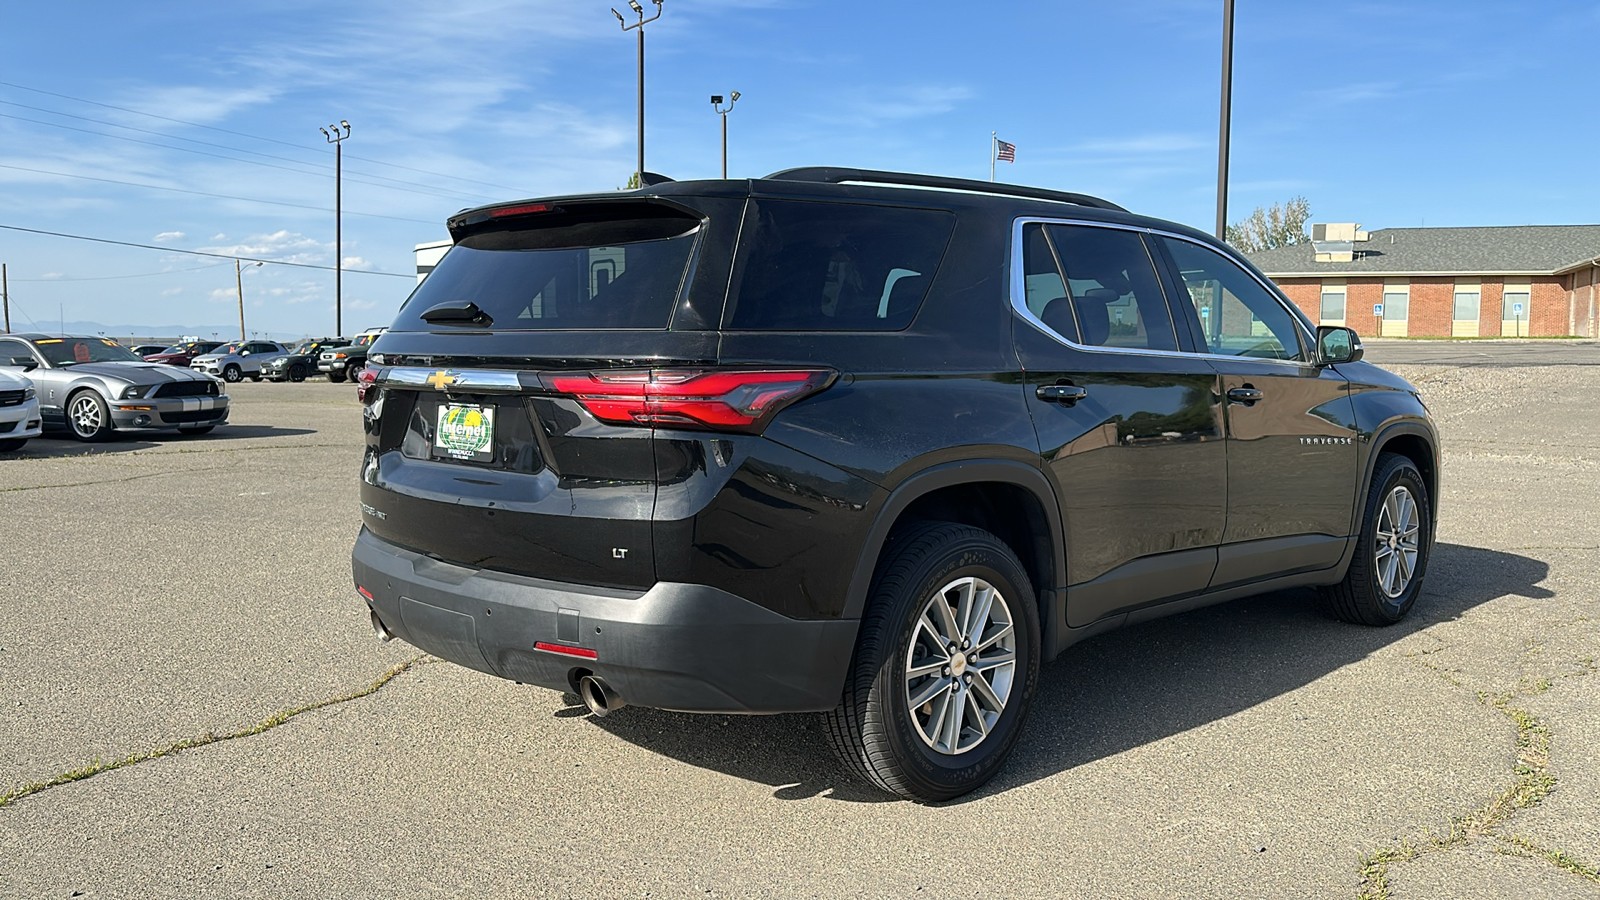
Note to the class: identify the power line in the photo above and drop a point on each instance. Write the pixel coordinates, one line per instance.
(393, 185)
(157, 187)
(117, 277)
(408, 185)
(275, 262)
(242, 134)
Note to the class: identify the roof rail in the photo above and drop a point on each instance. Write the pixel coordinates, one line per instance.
(832, 175)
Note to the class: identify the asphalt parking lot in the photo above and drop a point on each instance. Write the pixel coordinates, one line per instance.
(192, 704)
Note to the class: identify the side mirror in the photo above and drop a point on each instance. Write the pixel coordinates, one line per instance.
(1337, 344)
(27, 363)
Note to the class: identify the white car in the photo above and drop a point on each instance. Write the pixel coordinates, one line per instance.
(19, 411)
(238, 360)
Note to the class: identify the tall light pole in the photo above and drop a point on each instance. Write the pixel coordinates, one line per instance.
(336, 138)
(716, 105)
(1227, 116)
(238, 283)
(639, 27)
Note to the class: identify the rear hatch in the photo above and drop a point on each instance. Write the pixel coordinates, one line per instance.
(503, 435)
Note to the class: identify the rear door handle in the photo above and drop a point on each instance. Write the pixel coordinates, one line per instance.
(1245, 395)
(1065, 394)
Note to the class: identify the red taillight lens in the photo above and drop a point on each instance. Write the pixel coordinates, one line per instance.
(525, 209)
(678, 398)
(367, 375)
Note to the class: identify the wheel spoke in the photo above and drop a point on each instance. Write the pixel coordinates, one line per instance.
(980, 722)
(985, 663)
(928, 691)
(985, 692)
(951, 733)
(926, 669)
(949, 630)
(984, 601)
(941, 708)
(993, 639)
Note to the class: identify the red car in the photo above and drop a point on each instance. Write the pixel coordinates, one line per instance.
(184, 353)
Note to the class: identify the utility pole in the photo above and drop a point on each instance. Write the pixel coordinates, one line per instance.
(335, 138)
(1227, 116)
(238, 282)
(5, 296)
(639, 27)
(716, 106)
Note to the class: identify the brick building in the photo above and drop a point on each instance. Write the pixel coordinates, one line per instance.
(1514, 280)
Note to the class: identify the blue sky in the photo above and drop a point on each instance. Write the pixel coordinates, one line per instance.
(1387, 114)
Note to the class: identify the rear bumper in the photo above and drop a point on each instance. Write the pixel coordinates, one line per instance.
(676, 646)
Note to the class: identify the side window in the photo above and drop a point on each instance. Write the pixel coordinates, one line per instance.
(1045, 290)
(10, 350)
(1116, 297)
(1238, 316)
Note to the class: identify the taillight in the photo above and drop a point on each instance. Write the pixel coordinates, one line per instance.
(367, 375)
(679, 398)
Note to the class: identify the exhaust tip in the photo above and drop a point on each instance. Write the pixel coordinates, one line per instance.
(598, 696)
(381, 630)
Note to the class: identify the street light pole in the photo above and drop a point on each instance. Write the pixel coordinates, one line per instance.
(1227, 117)
(716, 105)
(639, 27)
(336, 138)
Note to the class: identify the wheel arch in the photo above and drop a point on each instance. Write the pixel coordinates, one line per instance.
(1012, 500)
(1415, 440)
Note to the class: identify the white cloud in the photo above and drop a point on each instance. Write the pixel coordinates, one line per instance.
(168, 236)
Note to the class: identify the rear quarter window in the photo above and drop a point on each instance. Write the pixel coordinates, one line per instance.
(808, 266)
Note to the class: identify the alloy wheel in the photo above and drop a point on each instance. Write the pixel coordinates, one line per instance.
(86, 417)
(960, 665)
(1396, 540)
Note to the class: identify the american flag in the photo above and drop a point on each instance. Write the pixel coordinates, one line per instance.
(1004, 151)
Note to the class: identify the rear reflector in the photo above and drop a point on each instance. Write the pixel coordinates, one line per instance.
(365, 593)
(580, 652)
(683, 398)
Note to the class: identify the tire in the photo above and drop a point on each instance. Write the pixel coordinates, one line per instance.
(903, 747)
(199, 429)
(10, 444)
(336, 377)
(256, 377)
(88, 417)
(1391, 558)
(232, 374)
(297, 373)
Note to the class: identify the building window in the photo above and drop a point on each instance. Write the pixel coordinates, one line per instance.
(1396, 303)
(1333, 302)
(1515, 302)
(1464, 313)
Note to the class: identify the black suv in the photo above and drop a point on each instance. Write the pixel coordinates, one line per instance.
(863, 442)
(301, 362)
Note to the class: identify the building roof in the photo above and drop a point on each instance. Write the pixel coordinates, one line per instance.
(1492, 250)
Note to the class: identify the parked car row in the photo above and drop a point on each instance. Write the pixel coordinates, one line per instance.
(338, 358)
(91, 387)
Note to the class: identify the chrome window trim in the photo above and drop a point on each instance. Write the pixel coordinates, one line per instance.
(1019, 295)
(476, 381)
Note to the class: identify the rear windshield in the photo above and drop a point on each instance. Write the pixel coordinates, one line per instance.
(836, 266)
(583, 269)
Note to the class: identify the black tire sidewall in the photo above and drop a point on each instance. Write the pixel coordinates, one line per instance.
(232, 374)
(935, 775)
(297, 373)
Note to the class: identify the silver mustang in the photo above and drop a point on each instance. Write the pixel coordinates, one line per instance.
(91, 386)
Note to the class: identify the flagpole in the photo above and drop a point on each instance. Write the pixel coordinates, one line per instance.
(993, 150)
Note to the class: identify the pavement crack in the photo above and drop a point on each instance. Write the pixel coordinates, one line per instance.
(125, 478)
(1531, 784)
(99, 766)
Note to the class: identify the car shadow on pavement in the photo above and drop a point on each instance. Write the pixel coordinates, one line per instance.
(1111, 693)
(59, 446)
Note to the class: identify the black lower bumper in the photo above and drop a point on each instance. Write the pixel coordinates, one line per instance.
(684, 647)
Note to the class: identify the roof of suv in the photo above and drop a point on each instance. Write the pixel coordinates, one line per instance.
(868, 185)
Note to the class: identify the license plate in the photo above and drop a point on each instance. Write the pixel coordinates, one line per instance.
(464, 432)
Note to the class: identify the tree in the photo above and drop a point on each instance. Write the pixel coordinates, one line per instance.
(1280, 225)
